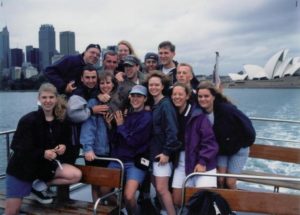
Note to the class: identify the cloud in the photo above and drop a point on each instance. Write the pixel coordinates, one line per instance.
(248, 31)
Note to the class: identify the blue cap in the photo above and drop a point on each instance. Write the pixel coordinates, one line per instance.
(139, 89)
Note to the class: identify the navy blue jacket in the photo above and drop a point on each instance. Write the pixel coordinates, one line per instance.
(32, 137)
(233, 129)
(67, 69)
(165, 128)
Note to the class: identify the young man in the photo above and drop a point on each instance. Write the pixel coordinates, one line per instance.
(150, 62)
(65, 74)
(185, 75)
(110, 61)
(166, 52)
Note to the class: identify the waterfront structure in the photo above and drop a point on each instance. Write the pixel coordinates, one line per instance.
(34, 58)
(67, 43)
(4, 48)
(16, 56)
(278, 66)
(46, 45)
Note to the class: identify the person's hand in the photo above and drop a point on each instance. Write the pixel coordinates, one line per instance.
(60, 149)
(163, 159)
(108, 118)
(89, 156)
(200, 168)
(120, 76)
(104, 97)
(50, 154)
(100, 109)
(119, 117)
(70, 87)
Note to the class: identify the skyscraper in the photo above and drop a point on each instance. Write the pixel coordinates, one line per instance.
(67, 42)
(34, 58)
(16, 57)
(46, 45)
(28, 49)
(4, 48)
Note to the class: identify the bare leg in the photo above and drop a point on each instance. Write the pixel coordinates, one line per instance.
(162, 188)
(176, 194)
(221, 180)
(12, 206)
(231, 183)
(129, 196)
(68, 175)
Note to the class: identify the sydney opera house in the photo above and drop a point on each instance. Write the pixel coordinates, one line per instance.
(278, 66)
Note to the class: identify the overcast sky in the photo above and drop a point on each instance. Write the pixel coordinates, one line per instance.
(243, 31)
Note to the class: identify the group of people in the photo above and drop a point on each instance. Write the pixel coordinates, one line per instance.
(154, 112)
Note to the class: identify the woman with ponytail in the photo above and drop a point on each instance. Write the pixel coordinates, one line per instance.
(39, 144)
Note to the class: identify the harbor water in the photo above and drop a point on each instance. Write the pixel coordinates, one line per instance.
(266, 103)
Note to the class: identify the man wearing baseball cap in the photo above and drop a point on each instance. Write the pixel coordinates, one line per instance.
(151, 62)
(65, 73)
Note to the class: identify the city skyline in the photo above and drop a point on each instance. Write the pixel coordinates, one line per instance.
(247, 32)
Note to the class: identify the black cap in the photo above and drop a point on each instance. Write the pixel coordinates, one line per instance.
(151, 55)
(131, 60)
(97, 46)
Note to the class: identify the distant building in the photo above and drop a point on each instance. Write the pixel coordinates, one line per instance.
(16, 56)
(67, 43)
(46, 45)
(29, 71)
(112, 48)
(4, 48)
(56, 58)
(34, 58)
(27, 52)
(16, 73)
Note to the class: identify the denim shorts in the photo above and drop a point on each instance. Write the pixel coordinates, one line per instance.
(131, 172)
(16, 188)
(234, 163)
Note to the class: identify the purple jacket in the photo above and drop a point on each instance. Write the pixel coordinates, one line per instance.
(200, 142)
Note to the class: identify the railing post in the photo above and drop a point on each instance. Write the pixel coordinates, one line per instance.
(7, 147)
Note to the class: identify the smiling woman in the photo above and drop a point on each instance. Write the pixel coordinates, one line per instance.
(39, 144)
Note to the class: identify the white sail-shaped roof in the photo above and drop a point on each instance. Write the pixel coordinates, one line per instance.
(237, 77)
(286, 64)
(274, 63)
(293, 70)
(254, 72)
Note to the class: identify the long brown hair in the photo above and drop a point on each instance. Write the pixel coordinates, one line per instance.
(61, 105)
(219, 97)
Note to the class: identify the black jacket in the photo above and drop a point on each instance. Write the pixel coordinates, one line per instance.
(67, 69)
(33, 136)
(233, 129)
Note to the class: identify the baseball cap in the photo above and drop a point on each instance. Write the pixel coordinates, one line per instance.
(151, 55)
(131, 60)
(97, 46)
(139, 89)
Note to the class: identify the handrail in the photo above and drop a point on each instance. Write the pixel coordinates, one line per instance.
(293, 179)
(274, 120)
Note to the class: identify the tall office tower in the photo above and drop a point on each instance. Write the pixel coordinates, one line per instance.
(46, 45)
(4, 48)
(34, 58)
(67, 43)
(16, 56)
(28, 49)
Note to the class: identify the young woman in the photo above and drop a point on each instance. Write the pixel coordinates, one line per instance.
(41, 138)
(199, 149)
(233, 130)
(94, 133)
(130, 140)
(164, 140)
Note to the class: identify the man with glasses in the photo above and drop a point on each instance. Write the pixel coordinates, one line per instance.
(65, 74)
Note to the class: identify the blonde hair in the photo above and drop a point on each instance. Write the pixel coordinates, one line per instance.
(129, 46)
(60, 108)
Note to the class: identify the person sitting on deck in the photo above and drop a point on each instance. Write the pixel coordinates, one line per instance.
(39, 144)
